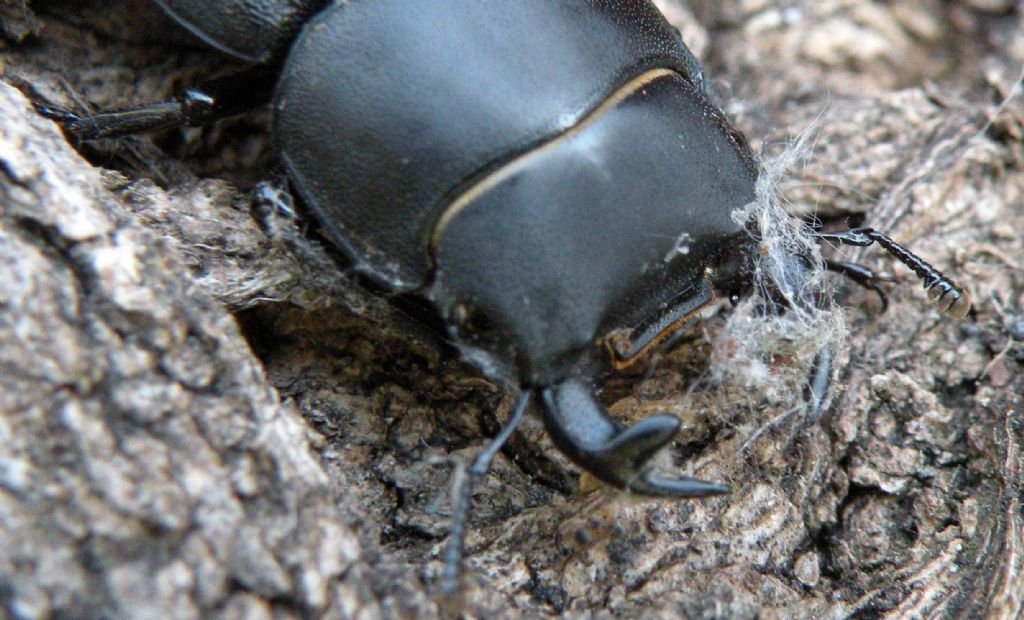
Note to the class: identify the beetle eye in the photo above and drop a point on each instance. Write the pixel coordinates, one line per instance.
(734, 299)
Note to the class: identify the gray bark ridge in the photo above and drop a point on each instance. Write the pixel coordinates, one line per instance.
(147, 468)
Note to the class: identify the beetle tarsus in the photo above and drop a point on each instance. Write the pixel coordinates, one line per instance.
(462, 495)
(579, 426)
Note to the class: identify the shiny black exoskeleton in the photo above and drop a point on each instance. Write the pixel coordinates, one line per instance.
(551, 178)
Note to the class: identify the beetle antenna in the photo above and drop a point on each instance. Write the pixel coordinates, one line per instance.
(462, 495)
(953, 301)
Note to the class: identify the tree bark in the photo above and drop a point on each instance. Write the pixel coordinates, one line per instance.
(202, 416)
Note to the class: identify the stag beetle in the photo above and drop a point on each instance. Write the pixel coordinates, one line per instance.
(523, 169)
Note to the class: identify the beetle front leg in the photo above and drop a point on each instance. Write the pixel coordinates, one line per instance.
(952, 300)
(581, 428)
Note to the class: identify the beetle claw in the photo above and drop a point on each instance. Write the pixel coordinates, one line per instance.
(59, 115)
(620, 457)
(654, 485)
(636, 445)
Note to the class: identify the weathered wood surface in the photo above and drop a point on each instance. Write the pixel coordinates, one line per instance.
(194, 423)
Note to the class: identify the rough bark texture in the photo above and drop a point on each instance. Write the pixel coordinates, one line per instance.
(198, 418)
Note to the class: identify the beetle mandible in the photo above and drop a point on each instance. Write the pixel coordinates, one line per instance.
(521, 169)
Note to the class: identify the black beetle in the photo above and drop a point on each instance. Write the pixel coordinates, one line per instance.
(525, 171)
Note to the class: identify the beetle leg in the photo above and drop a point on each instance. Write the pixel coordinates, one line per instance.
(791, 277)
(817, 387)
(273, 208)
(270, 204)
(462, 492)
(579, 426)
(863, 276)
(953, 301)
(208, 102)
